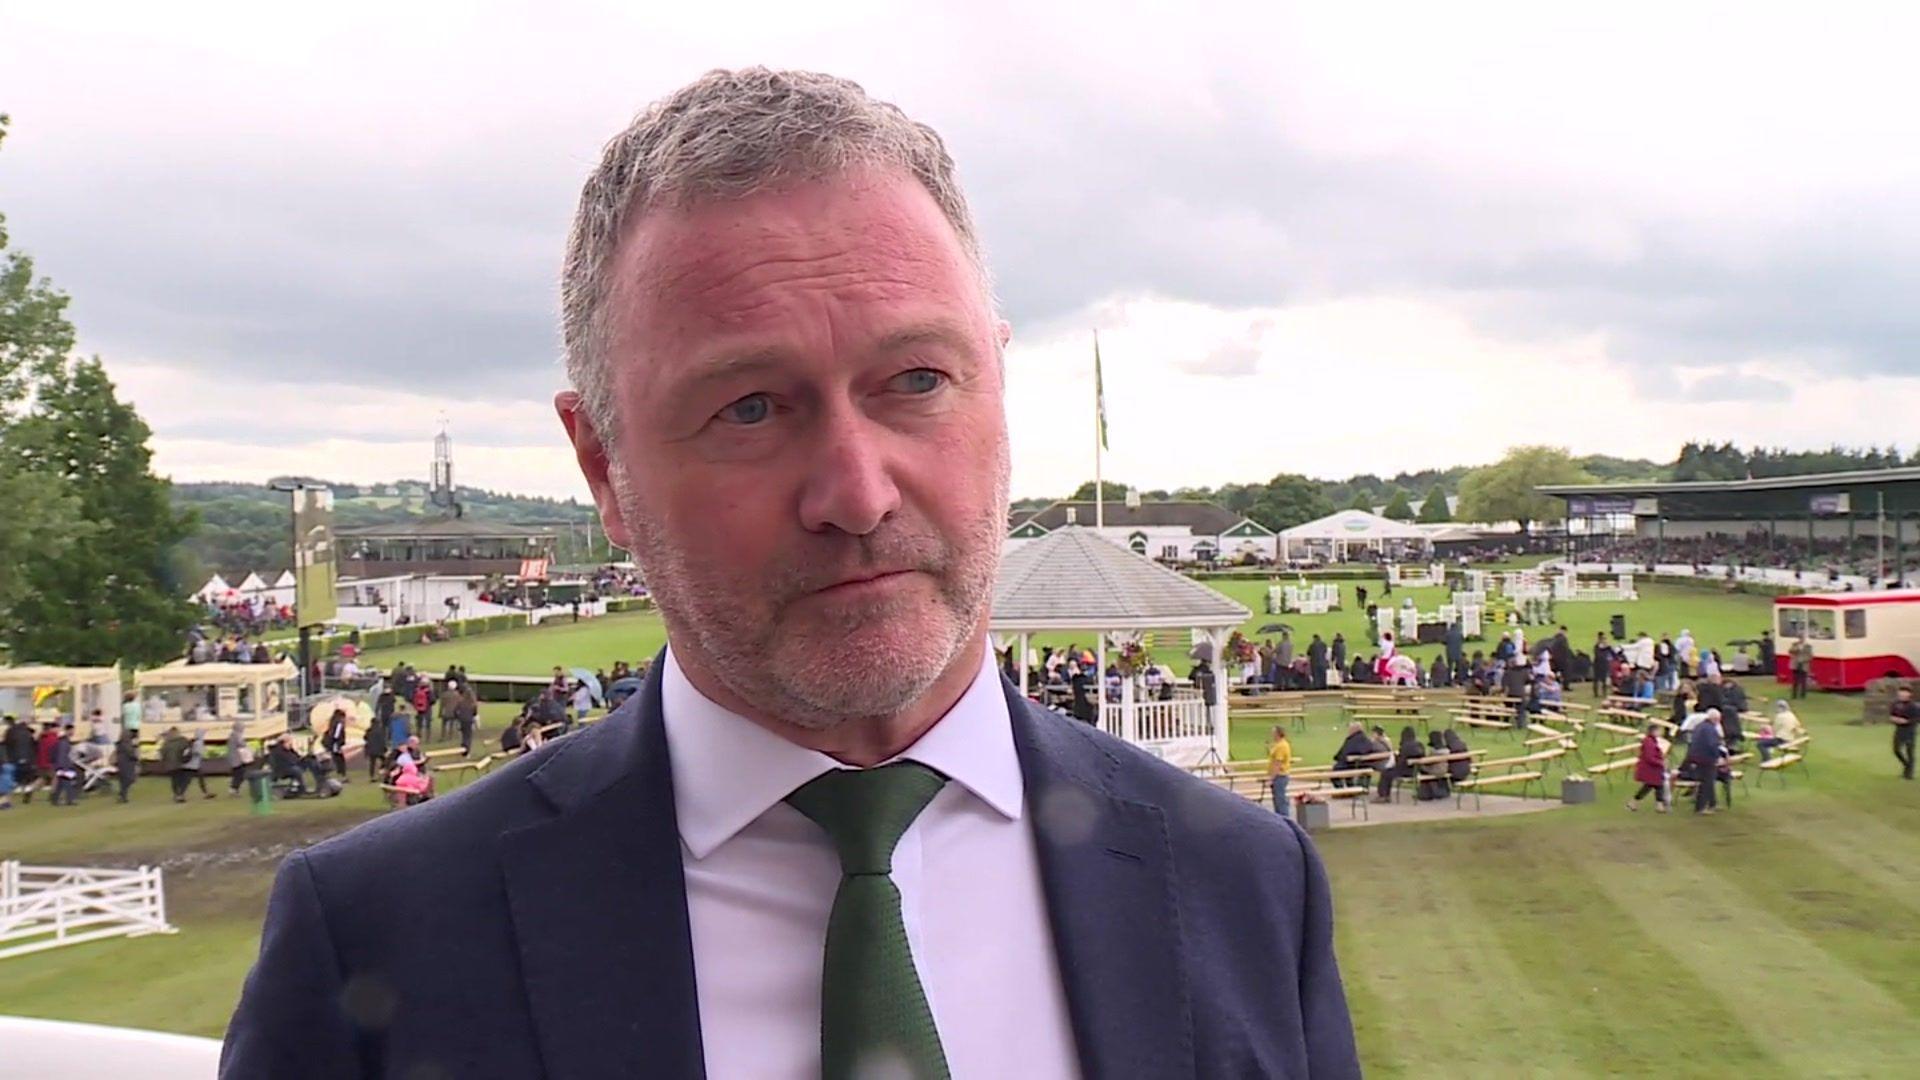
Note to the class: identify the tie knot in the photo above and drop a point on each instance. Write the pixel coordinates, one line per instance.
(865, 811)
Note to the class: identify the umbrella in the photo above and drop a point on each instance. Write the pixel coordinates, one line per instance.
(1275, 628)
(1737, 642)
(592, 682)
(622, 689)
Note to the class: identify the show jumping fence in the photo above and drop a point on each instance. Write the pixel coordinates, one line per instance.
(45, 907)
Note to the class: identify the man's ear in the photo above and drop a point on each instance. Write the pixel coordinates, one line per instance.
(595, 465)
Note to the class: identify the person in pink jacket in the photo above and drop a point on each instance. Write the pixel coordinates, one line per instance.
(1650, 769)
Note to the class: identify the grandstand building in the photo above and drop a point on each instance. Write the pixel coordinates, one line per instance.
(1862, 522)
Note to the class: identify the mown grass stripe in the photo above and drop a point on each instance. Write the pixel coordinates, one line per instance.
(1436, 968)
(1810, 1012)
(1578, 949)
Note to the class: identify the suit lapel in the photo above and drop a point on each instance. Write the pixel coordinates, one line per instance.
(1107, 868)
(599, 907)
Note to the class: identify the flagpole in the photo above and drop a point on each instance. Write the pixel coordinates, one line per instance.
(1099, 439)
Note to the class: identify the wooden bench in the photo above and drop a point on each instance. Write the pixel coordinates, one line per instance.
(1786, 756)
(1476, 784)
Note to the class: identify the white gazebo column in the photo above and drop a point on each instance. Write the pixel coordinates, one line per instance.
(1100, 683)
(1023, 663)
(1129, 724)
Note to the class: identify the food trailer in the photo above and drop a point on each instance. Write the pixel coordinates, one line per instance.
(1857, 637)
(45, 694)
(210, 697)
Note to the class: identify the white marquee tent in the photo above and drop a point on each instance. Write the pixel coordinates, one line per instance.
(1333, 537)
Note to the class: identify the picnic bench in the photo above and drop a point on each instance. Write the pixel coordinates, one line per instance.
(1786, 756)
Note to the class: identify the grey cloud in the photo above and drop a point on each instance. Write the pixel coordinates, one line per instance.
(242, 254)
(1234, 358)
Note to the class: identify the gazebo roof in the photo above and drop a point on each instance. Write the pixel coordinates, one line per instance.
(1073, 579)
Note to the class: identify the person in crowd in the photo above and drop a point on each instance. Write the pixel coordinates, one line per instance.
(1783, 728)
(8, 770)
(1641, 689)
(1705, 747)
(1434, 774)
(1551, 696)
(1279, 768)
(1602, 663)
(378, 738)
(1684, 653)
(174, 749)
(334, 742)
(1439, 675)
(130, 713)
(1800, 660)
(284, 764)
(1733, 702)
(1318, 663)
(197, 761)
(1682, 702)
(449, 706)
(1455, 645)
(1666, 672)
(1764, 661)
(17, 749)
(1710, 663)
(1709, 692)
(66, 773)
(1355, 745)
(1406, 759)
(401, 727)
(1905, 715)
(581, 704)
(1457, 744)
(126, 760)
(1650, 770)
(412, 783)
(1337, 653)
(1383, 763)
(466, 716)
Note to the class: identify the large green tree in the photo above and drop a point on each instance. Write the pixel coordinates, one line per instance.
(1433, 509)
(1399, 507)
(1287, 500)
(107, 592)
(1505, 490)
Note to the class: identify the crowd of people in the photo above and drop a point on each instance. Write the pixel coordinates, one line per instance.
(1823, 560)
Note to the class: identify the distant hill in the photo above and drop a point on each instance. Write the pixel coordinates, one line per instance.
(248, 526)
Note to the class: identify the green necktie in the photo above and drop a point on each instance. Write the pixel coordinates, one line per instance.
(874, 1018)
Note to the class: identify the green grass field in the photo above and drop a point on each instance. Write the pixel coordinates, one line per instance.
(1712, 616)
(1781, 939)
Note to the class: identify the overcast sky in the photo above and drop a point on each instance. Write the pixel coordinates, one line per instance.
(1328, 240)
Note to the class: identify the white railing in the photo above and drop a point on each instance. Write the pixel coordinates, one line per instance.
(45, 907)
(1158, 721)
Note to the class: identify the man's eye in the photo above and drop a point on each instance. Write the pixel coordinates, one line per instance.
(748, 410)
(919, 381)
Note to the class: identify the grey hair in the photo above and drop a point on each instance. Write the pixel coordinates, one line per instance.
(726, 135)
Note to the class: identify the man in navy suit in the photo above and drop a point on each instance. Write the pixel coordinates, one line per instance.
(826, 838)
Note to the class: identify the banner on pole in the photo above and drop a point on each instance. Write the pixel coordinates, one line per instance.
(314, 572)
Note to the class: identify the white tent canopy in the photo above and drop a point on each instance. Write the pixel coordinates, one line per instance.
(215, 588)
(253, 583)
(284, 581)
(1340, 532)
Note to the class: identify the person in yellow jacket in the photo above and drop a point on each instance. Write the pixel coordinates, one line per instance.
(1279, 768)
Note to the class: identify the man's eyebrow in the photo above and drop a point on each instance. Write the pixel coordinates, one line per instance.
(931, 333)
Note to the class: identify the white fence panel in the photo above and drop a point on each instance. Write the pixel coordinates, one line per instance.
(45, 907)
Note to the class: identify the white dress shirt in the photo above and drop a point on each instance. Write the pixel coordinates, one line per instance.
(761, 879)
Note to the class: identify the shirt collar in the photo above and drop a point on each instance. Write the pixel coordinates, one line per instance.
(728, 770)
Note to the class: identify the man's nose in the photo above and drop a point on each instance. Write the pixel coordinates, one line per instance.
(848, 483)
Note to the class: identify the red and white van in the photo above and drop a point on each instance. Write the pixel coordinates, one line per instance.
(1856, 636)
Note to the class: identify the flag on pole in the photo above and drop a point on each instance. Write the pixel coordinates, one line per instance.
(1099, 391)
